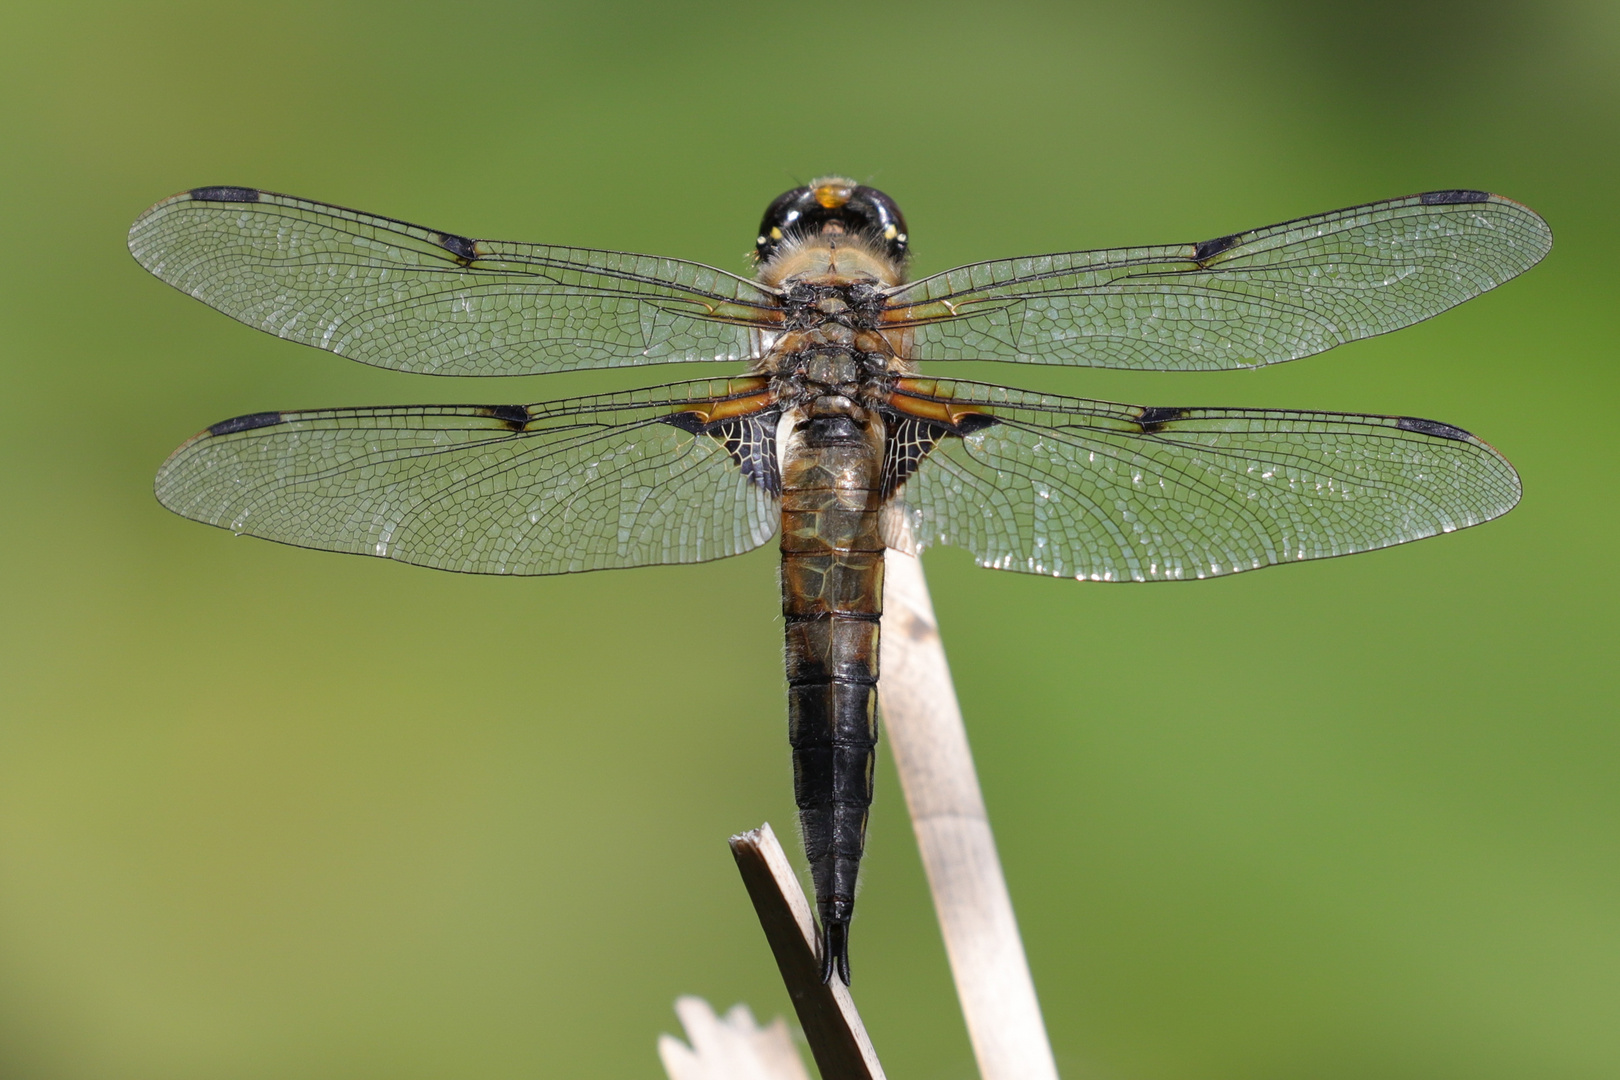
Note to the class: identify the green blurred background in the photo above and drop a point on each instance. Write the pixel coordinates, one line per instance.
(271, 813)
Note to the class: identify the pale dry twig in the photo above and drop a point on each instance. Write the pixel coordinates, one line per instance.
(732, 1047)
(923, 726)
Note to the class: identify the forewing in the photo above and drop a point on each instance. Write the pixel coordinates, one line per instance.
(1259, 297)
(1105, 492)
(413, 299)
(585, 484)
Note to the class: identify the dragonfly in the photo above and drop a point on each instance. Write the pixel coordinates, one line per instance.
(830, 436)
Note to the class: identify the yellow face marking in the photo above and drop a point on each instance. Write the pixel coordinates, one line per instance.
(832, 194)
(890, 233)
(776, 234)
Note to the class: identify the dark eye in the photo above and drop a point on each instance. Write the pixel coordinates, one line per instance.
(828, 202)
(780, 217)
(884, 220)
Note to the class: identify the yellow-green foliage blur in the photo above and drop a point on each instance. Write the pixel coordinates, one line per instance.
(272, 813)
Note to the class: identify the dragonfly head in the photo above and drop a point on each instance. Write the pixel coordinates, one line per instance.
(830, 206)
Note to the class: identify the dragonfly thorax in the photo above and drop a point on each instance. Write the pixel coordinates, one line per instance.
(831, 377)
(835, 343)
(838, 366)
(855, 304)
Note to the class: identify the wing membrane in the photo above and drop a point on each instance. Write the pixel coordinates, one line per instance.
(583, 484)
(1261, 297)
(1099, 491)
(404, 297)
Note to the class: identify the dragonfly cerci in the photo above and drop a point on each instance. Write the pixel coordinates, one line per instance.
(831, 436)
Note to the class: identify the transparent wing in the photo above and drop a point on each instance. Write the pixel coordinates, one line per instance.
(412, 299)
(1253, 298)
(563, 486)
(1094, 490)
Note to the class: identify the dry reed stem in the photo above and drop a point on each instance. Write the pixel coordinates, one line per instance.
(827, 1014)
(923, 726)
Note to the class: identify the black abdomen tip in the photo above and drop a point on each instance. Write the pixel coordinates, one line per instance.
(835, 951)
(245, 423)
(224, 194)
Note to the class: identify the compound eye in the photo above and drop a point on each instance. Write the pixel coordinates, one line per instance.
(786, 211)
(885, 217)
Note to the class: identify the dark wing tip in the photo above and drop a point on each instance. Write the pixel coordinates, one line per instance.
(245, 423)
(225, 194)
(143, 247)
(1455, 195)
(1534, 242)
(1432, 427)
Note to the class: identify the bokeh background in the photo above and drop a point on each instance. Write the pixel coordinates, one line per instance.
(271, 813)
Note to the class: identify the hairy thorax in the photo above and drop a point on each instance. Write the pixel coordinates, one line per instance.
(834, 354)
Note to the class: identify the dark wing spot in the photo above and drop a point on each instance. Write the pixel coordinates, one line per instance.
(1458, 195)
(245, 423)
(1208, 249)
(1431, 427)
(750, 440)
(515, 417)
(459, 246)
(975, 422)
(1154, 417)
(910, 439)
(224, 194)
(687, 421)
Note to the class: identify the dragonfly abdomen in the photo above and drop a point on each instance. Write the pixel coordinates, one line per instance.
(832, 598)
